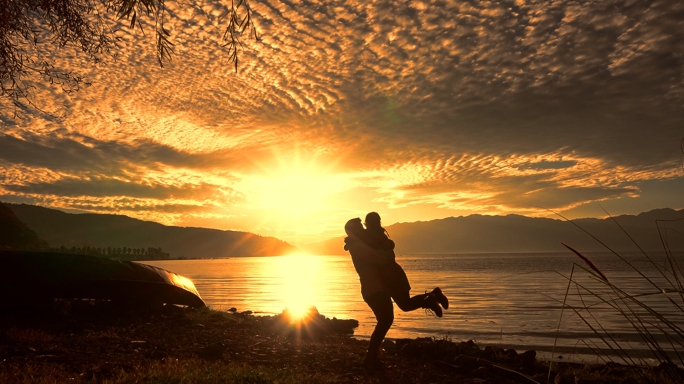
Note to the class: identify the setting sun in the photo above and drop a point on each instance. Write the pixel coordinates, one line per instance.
(297, 194)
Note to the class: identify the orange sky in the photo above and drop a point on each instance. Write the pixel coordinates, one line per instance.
(418, 110)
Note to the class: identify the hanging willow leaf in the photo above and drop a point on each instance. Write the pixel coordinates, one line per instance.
(83, 24)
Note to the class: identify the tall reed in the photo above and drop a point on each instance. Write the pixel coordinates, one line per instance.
(655, 314)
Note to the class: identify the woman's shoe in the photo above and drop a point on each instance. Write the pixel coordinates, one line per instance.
(441, 298)
(431, 303)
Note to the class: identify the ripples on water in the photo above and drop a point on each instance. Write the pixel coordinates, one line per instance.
(507, 299)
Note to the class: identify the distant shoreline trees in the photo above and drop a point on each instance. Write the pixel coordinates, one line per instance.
(123, 253)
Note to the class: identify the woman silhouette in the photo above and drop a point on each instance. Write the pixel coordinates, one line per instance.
(383, 279)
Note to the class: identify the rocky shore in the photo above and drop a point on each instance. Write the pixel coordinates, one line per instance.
(96, 344)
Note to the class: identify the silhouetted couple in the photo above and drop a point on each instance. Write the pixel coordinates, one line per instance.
(382, 280)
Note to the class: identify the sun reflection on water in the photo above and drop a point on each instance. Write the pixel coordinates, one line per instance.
(298, 274)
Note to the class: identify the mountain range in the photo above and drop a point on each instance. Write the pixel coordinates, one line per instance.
(15, 235)
(97, 230)
(463, 234)
(515, 233)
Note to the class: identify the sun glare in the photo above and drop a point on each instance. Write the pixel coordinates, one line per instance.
(297, 194)
(293, 196)
(295, 191)
(298, 274)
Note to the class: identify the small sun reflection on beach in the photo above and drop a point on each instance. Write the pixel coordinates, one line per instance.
(300, 317)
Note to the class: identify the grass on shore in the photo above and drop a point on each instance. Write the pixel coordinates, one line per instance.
(189, 371)
(206, 346)
(655, 315)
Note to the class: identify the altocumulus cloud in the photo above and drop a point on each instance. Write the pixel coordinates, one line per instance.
(470, 106)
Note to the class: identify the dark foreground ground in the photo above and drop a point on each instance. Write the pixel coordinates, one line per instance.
(174, 345)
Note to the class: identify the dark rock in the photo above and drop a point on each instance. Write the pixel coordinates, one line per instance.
(400, 343)
(482, 373)
(671, 370)
(493, 352)
(666, 366)
(528, 358)
(511, 353)
(422, 347)
(614, 369)
(388, 345)
(562, 379)
(311, 325)
(233, 309)
(466, 363)
(342, 326)
(468, 348)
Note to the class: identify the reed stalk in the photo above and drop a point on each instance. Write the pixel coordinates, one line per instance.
(659, 328)
(560, 319)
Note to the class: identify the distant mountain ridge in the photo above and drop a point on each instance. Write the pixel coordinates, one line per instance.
(15, 235)
(104, 230)
(515, 233)
(463, 234)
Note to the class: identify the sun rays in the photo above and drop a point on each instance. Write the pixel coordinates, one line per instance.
(299, 193)
(295, 193)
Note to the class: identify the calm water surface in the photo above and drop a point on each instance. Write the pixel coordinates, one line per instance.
(510, 300)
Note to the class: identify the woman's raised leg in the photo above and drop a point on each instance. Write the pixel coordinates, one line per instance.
(426, 300)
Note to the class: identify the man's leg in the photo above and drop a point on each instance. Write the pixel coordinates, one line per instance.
(381, 305)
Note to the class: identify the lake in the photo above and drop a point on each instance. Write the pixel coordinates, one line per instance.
(510, 300)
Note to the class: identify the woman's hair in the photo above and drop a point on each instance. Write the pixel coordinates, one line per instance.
(373, 220)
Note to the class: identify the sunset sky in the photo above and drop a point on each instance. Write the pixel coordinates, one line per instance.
(415, 109)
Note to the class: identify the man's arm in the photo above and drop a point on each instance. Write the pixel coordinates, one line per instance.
(367, 254)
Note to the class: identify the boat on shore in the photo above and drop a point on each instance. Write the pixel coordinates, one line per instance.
(35, 278)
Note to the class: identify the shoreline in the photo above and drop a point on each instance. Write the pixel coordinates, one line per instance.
(563, 353)
(89, 344)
